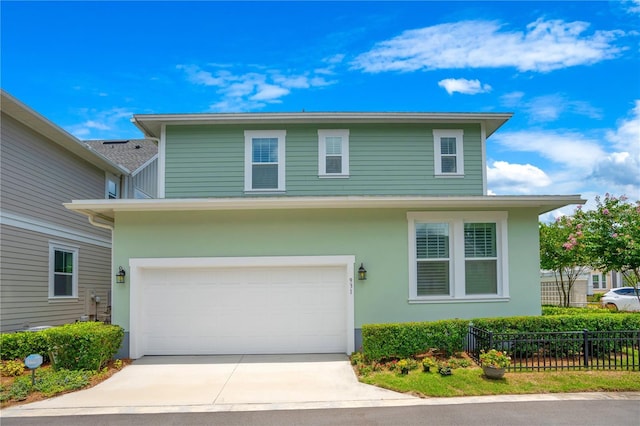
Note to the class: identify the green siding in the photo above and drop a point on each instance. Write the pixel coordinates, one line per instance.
(208, 161)
(377, 237)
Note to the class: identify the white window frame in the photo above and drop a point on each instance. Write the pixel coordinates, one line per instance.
(437, 152)
(456, 221)
(323, 134)
(53, 247)
(249, 135)
(112, 178)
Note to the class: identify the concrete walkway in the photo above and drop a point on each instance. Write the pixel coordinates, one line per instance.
(178, 384)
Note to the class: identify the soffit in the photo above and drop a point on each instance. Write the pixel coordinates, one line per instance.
(106, 209)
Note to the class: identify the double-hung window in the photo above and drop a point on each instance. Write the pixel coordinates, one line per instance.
(264, 160)
(333, 150)
(448, 152)
(63, 271)
(456, 255)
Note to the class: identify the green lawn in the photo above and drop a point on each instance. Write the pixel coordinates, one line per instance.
(472, 382)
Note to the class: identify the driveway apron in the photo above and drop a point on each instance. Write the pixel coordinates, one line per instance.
(226, 380)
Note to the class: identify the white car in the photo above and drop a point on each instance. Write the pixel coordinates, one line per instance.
(621, 299)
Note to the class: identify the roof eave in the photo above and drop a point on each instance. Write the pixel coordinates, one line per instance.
(32, 119)
(108, 208)
(151, 124)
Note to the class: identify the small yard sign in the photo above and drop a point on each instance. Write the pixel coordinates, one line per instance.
(32, 362)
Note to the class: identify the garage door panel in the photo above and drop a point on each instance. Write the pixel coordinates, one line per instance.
(244, 310)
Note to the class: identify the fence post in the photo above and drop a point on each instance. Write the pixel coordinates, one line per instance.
(490, 340)
(585, 335)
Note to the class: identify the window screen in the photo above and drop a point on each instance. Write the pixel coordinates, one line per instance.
(264, 174)
(433, 259)
(481, 258)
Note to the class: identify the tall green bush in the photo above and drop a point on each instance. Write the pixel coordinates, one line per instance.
(22, 344)
(83, 345)
(404, 340)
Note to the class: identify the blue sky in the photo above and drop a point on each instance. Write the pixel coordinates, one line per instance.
(569, 71)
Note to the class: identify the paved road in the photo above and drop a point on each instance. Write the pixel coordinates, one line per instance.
(582, 413)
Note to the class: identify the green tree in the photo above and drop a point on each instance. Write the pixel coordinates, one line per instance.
(562, 251)
(612, 237)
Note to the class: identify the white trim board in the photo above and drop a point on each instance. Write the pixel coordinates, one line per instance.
(30, 224)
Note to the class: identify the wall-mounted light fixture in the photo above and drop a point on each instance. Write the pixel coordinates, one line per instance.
(362, 273)
(120, 275)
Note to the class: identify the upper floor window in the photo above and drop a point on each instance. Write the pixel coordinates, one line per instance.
(333, 150)
(264, 160)
(448, 152)
(458, 255)
(112, 187)
(63, 271)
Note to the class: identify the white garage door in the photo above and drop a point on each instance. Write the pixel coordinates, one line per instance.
(243, 310)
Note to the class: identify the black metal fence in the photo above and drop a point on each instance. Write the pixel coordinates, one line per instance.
(571, 350)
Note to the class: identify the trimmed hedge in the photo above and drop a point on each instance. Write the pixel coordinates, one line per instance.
(559, 310)
(83, 345)
(620, 321)
(22, 344)
(79, 346)
(404, 340)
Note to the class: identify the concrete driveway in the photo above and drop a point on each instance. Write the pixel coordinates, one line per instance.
(221, 383)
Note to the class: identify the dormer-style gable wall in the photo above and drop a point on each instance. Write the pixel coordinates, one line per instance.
(314, 155)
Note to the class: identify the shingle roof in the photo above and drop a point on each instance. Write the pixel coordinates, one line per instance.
(129, 153)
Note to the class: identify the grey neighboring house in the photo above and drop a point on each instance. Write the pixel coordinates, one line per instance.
(139, 157)
(55, 267)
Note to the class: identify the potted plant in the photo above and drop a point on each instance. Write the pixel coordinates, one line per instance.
(428, 363)
(403, 366)
(494, 363)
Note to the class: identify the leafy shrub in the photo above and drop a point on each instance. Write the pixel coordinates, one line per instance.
(356, 358)
(51, 382)
(520, 345)
(11, 368)
(22, 344)
(83, 345)
(20, 389)
(428, 363)
(405, 340)
(558, 310)
(445, 370)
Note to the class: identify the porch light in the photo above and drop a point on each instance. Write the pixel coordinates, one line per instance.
(120, 275)
(362, 273)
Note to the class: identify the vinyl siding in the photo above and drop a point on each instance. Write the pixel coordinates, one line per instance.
(38, 176)
(24, 297)
(208, 161)
(147, 180)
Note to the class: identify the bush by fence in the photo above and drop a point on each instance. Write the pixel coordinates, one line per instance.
(589, 310)
(79, 346)
(404, 340)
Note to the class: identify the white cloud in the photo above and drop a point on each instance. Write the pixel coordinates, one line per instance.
(631, 6)
(507, 178)
(567, 148)
(622, 167)
(543, 46)
(269, 92)
(550, 107)
(464, 86)
(101, 124)
(252, 90)
(575, 163)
